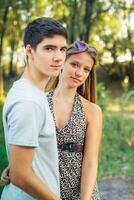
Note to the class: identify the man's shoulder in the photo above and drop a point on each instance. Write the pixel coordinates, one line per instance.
(23, 91)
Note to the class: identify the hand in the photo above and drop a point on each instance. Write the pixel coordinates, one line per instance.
(5, 177)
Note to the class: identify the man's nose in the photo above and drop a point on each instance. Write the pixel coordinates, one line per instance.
(58, 55)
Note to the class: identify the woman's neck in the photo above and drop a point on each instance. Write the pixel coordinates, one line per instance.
(64, 92)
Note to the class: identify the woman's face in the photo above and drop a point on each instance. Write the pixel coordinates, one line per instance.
(77, 68)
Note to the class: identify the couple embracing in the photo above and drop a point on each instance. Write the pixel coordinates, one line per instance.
(52, 139)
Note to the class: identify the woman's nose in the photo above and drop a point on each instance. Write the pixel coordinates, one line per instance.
(79, 72)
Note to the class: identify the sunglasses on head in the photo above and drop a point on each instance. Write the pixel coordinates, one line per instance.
(84, 47)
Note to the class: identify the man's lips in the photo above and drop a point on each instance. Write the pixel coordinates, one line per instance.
(56, 67)
(76, 79)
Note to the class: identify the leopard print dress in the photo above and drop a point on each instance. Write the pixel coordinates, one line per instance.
(70, 162)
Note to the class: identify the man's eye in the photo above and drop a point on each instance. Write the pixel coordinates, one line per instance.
(48, 48)
(63, 50)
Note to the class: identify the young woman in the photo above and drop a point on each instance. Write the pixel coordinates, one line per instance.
(78, 122)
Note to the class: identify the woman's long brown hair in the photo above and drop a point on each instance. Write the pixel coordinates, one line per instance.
(88, 89)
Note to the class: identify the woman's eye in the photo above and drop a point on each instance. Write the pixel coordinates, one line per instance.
(87, 70)
(74, 65)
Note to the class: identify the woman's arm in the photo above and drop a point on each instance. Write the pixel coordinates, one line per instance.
(91, 151)
(5, 177)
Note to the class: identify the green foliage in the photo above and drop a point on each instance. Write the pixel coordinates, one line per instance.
(103, 96)
(114, 38)
(3, 161)
(127, 98)
(1, 126)
(117, 146)
(3, 158)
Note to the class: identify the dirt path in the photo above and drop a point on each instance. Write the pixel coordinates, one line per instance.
(116, 189)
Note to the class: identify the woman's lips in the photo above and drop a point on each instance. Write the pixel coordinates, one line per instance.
(76, 79)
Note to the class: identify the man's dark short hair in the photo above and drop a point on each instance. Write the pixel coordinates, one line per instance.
(40, 28)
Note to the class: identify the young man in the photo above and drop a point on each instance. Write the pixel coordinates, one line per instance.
(29, 128)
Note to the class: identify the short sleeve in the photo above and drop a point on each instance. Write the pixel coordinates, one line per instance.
(24, 122)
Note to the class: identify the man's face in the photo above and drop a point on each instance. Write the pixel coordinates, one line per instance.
(48, 58)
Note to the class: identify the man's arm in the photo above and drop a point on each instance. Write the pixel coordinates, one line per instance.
(24, 122)
(23, 176)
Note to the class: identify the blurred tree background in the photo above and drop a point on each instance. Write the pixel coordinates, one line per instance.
(109, 26)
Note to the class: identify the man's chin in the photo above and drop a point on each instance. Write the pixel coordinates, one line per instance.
(54, 74)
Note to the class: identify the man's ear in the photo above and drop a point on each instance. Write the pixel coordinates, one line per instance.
(29, 51)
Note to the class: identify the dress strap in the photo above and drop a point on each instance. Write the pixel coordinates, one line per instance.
(79, 106)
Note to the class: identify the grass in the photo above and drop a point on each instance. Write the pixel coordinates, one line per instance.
(116, 156)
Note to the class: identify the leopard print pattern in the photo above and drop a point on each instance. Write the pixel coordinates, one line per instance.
(70, 162)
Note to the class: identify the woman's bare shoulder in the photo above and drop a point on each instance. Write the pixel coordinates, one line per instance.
(91, 109)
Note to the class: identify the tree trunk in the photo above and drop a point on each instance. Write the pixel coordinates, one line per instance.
(11, 69)
(130, 69)
(4, 20)
(73, 24)
(87, 19)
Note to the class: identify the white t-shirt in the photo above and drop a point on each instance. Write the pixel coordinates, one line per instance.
(28, 121)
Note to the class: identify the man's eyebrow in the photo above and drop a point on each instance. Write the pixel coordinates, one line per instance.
(54, 46)
(50, 45)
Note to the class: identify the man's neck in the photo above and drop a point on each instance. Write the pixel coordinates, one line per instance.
(38, 80)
